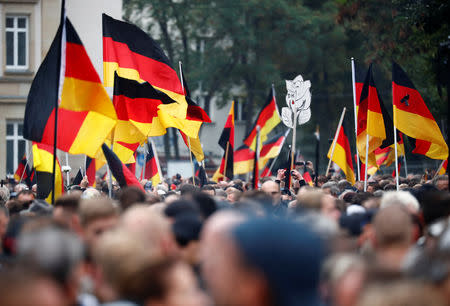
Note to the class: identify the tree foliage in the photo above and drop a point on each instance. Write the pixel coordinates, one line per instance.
(239, 48)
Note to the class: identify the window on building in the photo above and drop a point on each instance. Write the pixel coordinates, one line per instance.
(15, 145)
(240, 113)
(16, 42)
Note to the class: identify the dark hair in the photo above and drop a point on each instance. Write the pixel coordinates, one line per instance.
(187, 189)
(205, 203)
(69, 202)
(129, 196)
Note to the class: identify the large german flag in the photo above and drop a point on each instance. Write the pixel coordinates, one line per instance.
(151, 167)
(85, 113)
(267, 119)
(226, 142)
(243, 160)
(134, 55)
(272, 147)
(370, 120)
(43, 163)
(412, 117)
(122, 174)
(342, 155)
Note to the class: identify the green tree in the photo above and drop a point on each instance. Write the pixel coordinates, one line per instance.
(232, 45)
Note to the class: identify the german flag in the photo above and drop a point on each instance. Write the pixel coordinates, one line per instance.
(443, 167)
(78, 178)
(43, 163)
(22, 171)
(138, 107)
(267, 119)
(370, 120)
(85, 115)
(134, 55)
(195, 115)
(412, 117)
(151, 167)
(272, 147)
(226, 142)
(91, 170)
(267, 171)
(122, 174)
(132, 166)
(201, 174)
(243, 160)
(308, 179)
(342, 155)
(386, 156)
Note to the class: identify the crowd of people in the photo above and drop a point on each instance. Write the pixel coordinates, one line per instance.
(224, 244)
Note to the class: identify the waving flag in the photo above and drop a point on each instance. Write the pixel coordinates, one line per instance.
(22, 171)
(122, 174)
(43, 163)
(226, 142)
(134, 55)
(412, 117)
(272, 147)
(370, 120)
(342, 155)
(151, 167)
(267, 119)
(243, 160)
(85, 115)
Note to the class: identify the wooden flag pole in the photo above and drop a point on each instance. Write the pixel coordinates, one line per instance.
(109, 170)
(226, 160)
(336, 134)
(439, 169)
(190, 157)
(155, 154)
(356, 115)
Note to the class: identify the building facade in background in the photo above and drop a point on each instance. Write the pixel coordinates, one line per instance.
(27, 28)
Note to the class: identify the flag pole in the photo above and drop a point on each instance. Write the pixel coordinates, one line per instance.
(366, 165)
(55, 134)
(439, 169)
(294, 135)
(109, 170)
(279, 150)
(256, 162)
(190, 157)
(85, 165)
(155, 154)
(226, 160)
(356, 114)
(335, 140)
(395, 141)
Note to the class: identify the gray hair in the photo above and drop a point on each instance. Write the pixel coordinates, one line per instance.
(400, 197)
(4, 194)
(52, 250)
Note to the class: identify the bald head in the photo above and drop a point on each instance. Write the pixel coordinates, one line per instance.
(272, 189)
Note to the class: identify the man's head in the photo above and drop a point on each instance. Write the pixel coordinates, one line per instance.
(65, 210)
(26, 196)
(96, 217)
(393, 227)
(129, 196)
(441, 182)
(260, 262)
(272, 189)
(320, 202)
(208, 189)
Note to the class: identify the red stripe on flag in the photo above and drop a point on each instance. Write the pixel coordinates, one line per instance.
(78, 64)
(156, 73)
